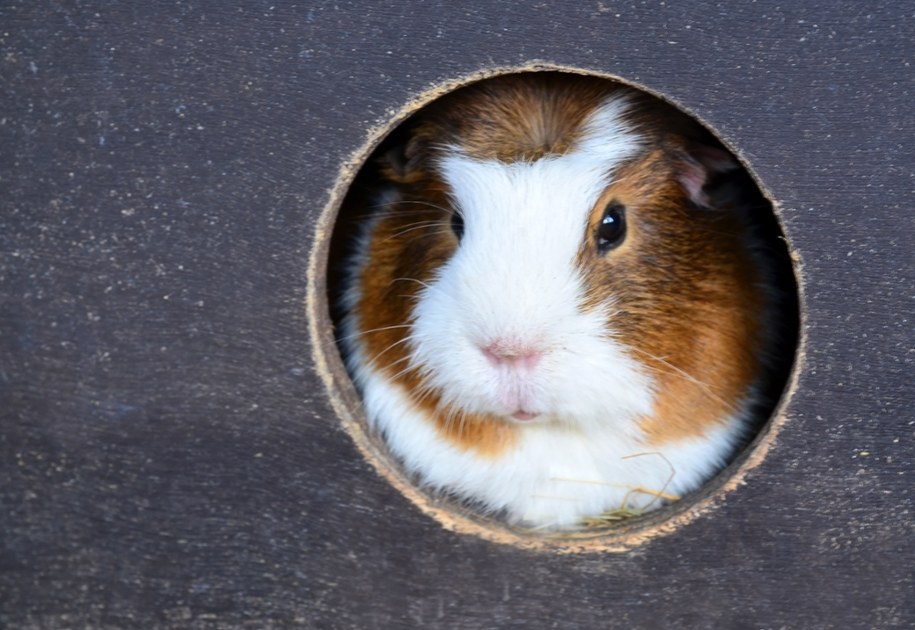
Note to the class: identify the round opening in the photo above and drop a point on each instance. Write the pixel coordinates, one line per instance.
(567, 308)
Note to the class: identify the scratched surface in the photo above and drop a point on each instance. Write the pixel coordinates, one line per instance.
(168, 456)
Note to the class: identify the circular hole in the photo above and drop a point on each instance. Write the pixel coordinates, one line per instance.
(567, 307)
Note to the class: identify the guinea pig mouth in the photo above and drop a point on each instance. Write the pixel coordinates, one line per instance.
(524, 416)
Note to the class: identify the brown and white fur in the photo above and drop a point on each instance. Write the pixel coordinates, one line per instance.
(508, 356)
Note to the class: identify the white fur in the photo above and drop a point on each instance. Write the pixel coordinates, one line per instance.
(513, 280)
(555, 477)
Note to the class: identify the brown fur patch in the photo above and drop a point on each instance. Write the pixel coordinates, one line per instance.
(688, 296)
(512, 118)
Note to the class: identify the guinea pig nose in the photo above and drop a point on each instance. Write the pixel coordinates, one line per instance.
(510, 355)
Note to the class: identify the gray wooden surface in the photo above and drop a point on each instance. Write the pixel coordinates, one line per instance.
(168, 456)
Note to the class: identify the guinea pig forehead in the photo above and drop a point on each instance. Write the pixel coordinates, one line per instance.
(603, 140)
(553, 188)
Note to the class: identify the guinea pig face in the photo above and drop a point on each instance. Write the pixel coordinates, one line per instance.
(571, 288)
(512, 325)
(550, 256)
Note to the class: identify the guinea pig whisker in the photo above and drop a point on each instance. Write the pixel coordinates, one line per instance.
(397, 201)
(593, 300)
(452, 417)
(425, 285)
(417, 281)
(426, 396)
(403, 371)
(412, 227)
(438, 232)
(378, 355)
(423, 393)
(462, 415)
(673, 369)
(371, 215)
(451, 414)
(426, 204)
(372, 330)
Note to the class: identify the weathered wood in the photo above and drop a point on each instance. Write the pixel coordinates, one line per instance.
(168, 455)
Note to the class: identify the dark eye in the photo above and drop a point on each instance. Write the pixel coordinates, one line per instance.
(612, 228)
(457, 225)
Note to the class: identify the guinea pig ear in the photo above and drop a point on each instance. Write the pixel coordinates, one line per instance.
(402, 162)
(699, 165)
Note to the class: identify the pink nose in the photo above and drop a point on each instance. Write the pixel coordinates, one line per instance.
(508, 355)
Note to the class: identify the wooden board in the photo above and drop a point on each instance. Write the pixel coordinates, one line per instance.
(169, 453)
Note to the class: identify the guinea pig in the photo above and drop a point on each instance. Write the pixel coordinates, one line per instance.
(555, 305)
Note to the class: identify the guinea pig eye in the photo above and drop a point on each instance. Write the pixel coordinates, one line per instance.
(612, 228)
(457, 225)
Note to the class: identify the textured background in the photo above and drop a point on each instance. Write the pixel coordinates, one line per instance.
(168, 456)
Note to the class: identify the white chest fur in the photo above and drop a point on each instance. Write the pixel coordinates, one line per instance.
(553, 477)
